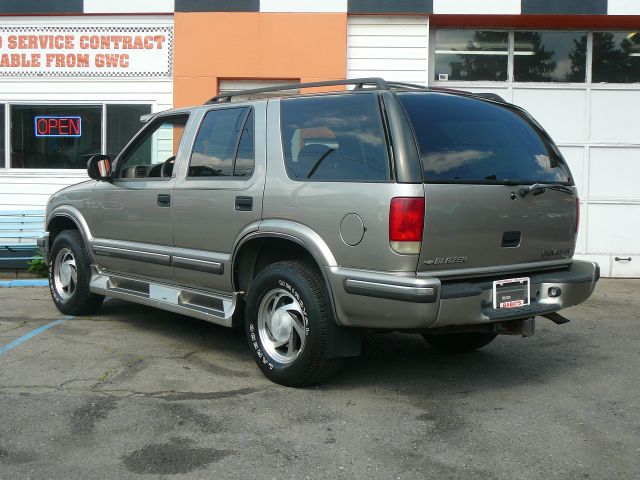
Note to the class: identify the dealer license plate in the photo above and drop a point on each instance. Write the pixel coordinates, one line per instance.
(511, 293)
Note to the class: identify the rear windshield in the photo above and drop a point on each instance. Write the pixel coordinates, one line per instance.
(469, 140)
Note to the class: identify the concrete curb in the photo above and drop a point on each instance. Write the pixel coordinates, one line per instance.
(23, 283)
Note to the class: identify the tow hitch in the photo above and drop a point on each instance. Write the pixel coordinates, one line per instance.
(557, 318)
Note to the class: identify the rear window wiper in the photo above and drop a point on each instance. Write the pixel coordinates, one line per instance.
(538, 188)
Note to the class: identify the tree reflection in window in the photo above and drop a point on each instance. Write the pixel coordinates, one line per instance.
(616, 57)
(471, 55)
(547, 56)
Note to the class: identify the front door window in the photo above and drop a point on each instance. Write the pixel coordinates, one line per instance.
(152, 155)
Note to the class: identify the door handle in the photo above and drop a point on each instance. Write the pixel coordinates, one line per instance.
(164, 200)
(244, 204)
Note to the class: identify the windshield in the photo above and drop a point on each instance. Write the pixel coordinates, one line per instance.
(464, 139)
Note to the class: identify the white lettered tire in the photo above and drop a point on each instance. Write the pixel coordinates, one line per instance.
(287, 315)
(69, 275)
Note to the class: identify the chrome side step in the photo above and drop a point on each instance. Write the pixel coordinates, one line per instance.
(214, 308)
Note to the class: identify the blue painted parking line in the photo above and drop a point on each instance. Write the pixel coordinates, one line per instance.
(23, 283)
(33, 333)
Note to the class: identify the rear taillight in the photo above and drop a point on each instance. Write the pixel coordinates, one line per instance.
(577, 214)
(406, 223)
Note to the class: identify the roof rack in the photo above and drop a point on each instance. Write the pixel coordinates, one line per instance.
(359, 83)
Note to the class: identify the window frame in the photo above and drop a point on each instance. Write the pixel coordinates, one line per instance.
(9, 144)
(136, 140)
(388, 148)
(249, 109)
(55, 103)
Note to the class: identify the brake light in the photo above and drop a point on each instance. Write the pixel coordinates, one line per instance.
(577, 214)
(406, 223)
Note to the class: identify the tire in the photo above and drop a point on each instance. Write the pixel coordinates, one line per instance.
(459, 342)
(69, 275)
(286, 322)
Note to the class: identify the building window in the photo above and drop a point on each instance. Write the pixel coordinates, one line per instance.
(66, 136)
(471, 55)
(550, 56)
(616, 57)
(536, 56)
(123, 122)
(60, 136)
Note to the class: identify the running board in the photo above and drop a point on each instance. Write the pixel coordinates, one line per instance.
(214, 308)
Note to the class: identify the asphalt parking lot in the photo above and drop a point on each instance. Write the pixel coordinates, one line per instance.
(136, 392)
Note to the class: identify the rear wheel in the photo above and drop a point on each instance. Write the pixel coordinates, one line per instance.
(459, 342)
(287, 318)
(69, 275)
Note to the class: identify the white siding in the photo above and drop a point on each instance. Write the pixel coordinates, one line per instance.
(23, 189)
(486, 7)
(395, 48)
(128, 6)
(623, 7)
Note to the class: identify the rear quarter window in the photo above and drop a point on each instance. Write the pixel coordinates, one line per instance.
(470, 140)
(334, 138)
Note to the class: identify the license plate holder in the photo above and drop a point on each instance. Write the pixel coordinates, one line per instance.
(511, 293)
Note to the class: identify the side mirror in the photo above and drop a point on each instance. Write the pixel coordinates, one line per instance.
(99, 167)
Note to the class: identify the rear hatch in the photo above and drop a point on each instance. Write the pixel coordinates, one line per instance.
(478, 159)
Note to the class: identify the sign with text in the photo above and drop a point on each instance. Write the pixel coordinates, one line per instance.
(89, 51)
(58, 126)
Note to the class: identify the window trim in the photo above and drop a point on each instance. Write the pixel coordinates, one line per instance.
(9, 143)
(249, 109)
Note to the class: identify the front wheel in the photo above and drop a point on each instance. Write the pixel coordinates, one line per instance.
(459, 342)
(287, 319)
(70, 274)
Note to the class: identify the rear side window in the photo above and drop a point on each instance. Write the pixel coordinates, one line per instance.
(224, 144)
(335, 138)
(466, 139)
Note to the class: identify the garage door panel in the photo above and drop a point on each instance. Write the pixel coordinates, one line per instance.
(613, 228)
(614, 173)
(562, 112)
(614, 116)
(575, 159)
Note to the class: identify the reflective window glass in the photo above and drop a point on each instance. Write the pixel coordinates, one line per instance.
(470, 140)
(616, 57)
(471, 55)
(222, 136)
(55, 136)
(245, 157)
(334, 138)
(550, 56)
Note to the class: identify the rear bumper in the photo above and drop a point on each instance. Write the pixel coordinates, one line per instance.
(399, 301)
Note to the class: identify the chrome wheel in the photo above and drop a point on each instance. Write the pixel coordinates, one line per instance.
(281, 325)
(65, 274)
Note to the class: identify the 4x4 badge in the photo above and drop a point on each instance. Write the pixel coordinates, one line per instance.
(445, 260)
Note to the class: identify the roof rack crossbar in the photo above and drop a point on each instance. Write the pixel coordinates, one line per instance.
(359, 84)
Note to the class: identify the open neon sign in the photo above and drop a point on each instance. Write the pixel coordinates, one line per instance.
(58, 126)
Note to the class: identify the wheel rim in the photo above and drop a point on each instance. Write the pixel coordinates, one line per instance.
(65, 274)
(281, 325)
